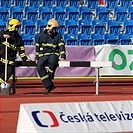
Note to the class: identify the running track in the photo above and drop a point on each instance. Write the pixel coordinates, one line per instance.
(68, 90)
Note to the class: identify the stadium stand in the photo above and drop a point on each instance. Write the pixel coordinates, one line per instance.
(74, 16)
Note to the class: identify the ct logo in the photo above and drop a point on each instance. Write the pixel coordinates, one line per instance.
(38, 122)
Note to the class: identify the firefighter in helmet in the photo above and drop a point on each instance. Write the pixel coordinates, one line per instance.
(14, 44)
(50, 48)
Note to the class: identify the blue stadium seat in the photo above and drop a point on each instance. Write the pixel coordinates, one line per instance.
(83, 39)
(35, 37)
(92, 4)
(96, 39)
(61, 3)
(48, 3)
(74, 3)
(31, 13)
(71, 26)
(61, 28)
(124, 39)
(72, 13)
(41, 24)
(2, 25)
(85, 27)
(98, 27)
(58, 13)
(102, 13)
(20, 3)
(6, 3)
(128, 25)
(111, 4)
(28, 26)
(44, 12)
(110, 39)
(35, 3)
(120, 13)
(130, 12)
(27, 39)
(126, 3)
(85, 13)
(70, 39)
(4, 13)
(114, 27)
(16, 13)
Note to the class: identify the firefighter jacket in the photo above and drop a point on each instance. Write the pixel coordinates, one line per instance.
(50, 44)
(15, 44)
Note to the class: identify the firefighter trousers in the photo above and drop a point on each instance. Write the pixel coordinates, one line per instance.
(10, 69)
(47, 74)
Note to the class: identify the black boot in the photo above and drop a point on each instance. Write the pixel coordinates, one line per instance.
(49, 89)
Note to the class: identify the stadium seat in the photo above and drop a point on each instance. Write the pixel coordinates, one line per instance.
(6, 3)
(2, 25)
(28, 27)
(126, 3)
(20, 3)
(85, 13)
(111, 4)
(48, 3)
(41, 24)
(71, 26)
(27, 39)
(128, 25)
(61, 3)
(61, 28)
(35, 37)
(114, 27)
(130, 12)
(85, 27)
(35, 3)
(44, 12)
(102, 13)
(96, 39)
(16, 13)
(124, 39)
(4, 13)
(58, 13)
(92, 4)
(74, 3)
(30, 13)
(98, 27)
(70, 39)
(120, 13)
(110, 39)
(83, 39)
(72, 13)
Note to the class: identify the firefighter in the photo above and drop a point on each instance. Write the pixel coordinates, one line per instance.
(14, 45)
(50, 48)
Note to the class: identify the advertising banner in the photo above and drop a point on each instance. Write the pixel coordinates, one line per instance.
(74, 53)
(121, 54)
(76, 117)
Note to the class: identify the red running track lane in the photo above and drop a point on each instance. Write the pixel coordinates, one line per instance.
(72, 90)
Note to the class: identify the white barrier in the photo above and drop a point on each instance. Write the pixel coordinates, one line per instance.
(97, 65)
